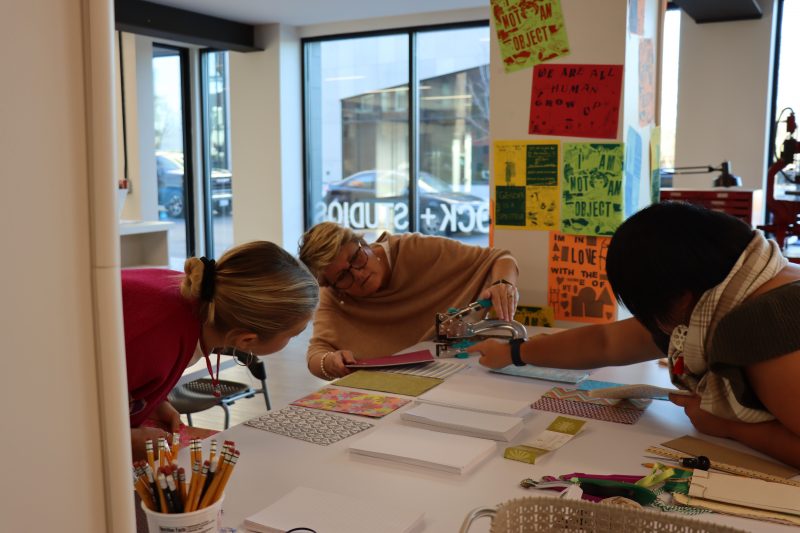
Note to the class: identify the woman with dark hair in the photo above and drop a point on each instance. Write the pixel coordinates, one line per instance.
(720, 301)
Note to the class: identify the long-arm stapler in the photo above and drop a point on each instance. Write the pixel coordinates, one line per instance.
(457, 329)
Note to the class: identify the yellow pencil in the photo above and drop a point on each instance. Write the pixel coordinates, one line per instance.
(148, 446)
(144, 494)
(226, 477)
(218, 477)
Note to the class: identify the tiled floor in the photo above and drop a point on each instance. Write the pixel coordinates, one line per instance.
(288, 379)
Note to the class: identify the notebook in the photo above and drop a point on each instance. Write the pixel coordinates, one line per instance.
(330, 512)
(481, 425)
(635, 391)
(456, 454)
(411, 358)
(476, 402)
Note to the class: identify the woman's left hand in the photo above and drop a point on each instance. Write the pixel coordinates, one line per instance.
(504, 299)
(702, 420)
(168, 416)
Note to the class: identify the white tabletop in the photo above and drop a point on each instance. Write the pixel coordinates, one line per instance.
(271, 465)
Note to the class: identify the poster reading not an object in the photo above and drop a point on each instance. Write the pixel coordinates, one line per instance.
(526, 191)
(529, 32)
(578, 289)
(576, 100)
(591, 189)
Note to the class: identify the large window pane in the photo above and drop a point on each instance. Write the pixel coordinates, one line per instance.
(357, 146)
(216, 135)
(174, 198)
(787, 95)
(453, 188)
(670, 56)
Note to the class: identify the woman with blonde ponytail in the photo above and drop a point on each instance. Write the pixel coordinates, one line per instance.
(253, 300)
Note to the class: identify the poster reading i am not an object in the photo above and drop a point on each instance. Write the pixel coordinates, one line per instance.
(529, 32)
(578, 288)
(591, 189)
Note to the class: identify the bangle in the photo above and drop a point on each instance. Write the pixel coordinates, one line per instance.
(322, 371)
(515, 355)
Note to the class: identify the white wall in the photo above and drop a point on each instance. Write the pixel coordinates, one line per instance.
(55, 249)
(724, 90)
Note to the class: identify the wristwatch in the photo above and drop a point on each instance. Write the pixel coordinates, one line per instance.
(515, 356)
(501, 280)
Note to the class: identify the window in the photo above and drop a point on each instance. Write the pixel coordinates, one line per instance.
(216, 152)
(172, 154)
(786, 97)
(669, 85)
(382, 108)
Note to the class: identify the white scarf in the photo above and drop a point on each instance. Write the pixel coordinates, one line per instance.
(760, 262)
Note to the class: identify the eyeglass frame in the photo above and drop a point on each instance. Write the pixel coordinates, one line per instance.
(349, 270)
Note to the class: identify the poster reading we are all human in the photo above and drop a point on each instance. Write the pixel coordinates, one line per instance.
(591, 188)
(529, 32)
(526, 184)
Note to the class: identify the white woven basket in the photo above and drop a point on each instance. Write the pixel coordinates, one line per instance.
(549, 514)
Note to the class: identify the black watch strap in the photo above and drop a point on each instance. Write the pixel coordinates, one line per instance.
(515, 356)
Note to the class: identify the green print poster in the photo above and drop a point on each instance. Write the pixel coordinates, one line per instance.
(526, 178)
(591, 190)
(529, 32)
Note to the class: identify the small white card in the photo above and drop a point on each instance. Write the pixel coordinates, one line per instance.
(636, 391)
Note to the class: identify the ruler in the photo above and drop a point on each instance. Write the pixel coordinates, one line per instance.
(723, 467)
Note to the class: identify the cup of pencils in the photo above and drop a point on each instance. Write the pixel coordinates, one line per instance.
(170, 501)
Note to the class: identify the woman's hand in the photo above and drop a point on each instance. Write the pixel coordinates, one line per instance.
(140, 435)
(494, 354)
(504, 299)
(167, 416)
(334, 363)
(703, 421)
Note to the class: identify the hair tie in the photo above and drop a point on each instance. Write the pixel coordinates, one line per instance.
(209, 279)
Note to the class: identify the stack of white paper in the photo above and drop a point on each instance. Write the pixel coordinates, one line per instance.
(476, 402)
(330, 512)
(441, 451)
(482, 425)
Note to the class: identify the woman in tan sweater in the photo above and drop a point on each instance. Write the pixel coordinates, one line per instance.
(379, 298)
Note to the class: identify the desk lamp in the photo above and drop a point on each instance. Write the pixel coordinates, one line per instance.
(726, 179)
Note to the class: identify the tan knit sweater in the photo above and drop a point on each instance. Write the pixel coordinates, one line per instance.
(428, 275)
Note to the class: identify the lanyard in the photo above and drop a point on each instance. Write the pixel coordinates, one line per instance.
(214, 379)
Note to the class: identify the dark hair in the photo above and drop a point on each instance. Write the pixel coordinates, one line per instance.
(667, 249)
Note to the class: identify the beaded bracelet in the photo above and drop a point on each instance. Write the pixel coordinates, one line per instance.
(322, 371)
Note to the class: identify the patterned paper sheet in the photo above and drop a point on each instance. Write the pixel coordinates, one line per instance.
(437, 369)
(564, 375)
(356, 403)
(579, 403)
(309, 425)
(388, 382)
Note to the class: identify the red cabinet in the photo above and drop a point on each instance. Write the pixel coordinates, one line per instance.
(747, 204)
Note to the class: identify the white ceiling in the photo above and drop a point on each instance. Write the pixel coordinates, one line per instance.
(308, 12)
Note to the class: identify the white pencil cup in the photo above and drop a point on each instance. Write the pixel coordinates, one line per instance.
(206, 520)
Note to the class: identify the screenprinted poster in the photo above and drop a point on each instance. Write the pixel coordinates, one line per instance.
(526, 184)
(633, 171)
(535, 316)
(655, 164)
(529, 32)
(591, 189)
(647, 82)
(636, 16)
(576, 100)
(578, 288)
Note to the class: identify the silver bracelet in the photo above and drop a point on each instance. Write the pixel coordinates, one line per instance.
(322, 371)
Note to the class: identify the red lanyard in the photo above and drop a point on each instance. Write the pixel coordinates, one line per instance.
(214, 379)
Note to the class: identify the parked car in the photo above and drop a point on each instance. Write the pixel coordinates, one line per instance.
(169, 171)
(442, 211)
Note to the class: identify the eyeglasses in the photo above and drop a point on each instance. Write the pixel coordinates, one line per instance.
(358, 260)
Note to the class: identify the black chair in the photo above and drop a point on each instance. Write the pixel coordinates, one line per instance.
(198, 395)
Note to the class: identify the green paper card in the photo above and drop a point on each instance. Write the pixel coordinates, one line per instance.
(404, 384)
(529, 33)
(558, 433)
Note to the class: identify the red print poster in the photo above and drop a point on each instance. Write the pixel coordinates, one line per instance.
(576, 100)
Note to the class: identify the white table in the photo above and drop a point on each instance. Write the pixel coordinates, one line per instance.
(271, 465)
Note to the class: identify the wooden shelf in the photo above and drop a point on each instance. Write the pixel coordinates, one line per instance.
(144, 244)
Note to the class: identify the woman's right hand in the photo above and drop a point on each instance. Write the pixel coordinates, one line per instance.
(140, 435)
(334, 363)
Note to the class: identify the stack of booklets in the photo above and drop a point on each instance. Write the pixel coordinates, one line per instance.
(456, 454)
(329, 512)
(471, 423)
(476, 402)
